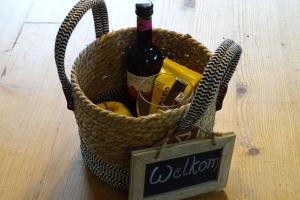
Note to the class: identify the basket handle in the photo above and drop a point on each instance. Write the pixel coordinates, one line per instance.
(213, 84)
(100, 15)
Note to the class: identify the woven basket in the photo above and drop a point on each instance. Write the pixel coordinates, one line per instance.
(99, 74)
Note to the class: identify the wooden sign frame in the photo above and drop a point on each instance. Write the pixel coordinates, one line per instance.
(140, 158)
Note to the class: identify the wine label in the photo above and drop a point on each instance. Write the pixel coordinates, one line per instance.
(134, 82)
(144, 24)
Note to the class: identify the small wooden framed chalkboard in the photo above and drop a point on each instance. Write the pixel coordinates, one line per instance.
(183, 170)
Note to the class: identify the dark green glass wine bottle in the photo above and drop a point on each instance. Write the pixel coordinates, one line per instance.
(144, 59)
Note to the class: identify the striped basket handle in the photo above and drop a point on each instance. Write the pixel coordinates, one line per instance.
(64, 33)
(213, 85)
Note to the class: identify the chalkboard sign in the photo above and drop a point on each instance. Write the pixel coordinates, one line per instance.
(183, 170)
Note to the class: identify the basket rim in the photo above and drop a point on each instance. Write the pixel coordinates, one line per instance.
(76, 89)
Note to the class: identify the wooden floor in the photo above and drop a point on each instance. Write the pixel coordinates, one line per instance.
(39, 144)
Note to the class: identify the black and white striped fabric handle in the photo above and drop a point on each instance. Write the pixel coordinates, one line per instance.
(64, 33)
(216, 77)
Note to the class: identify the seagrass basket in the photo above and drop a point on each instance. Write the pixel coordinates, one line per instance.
(99, 74)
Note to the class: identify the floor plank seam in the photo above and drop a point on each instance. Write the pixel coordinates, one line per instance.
(22, 26)
(3, 72)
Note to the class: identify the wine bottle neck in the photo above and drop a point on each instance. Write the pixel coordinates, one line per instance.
(144, 31)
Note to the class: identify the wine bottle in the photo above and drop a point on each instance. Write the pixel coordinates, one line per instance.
(144, 59)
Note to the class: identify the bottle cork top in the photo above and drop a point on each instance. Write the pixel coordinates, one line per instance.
(144, 8)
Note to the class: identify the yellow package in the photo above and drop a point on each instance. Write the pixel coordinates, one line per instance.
(182, 72)
(163, 83)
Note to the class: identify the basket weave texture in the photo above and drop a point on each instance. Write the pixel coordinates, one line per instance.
(101, 70)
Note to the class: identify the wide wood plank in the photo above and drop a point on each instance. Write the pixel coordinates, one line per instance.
(266, 102)
(50, 11)
(13, 14)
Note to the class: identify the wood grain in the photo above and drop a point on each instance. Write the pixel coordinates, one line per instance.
(13, 14)
(265, 165)
(39, 144)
